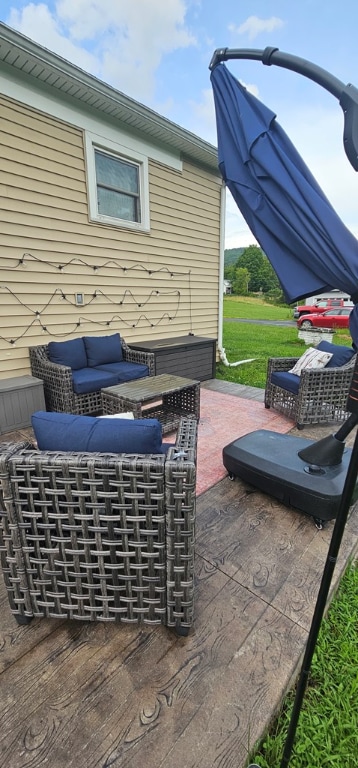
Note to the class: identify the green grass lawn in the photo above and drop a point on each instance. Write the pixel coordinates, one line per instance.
(255, 309)
(243, 341)
(327, 733)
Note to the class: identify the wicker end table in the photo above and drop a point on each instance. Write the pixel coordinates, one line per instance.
(173, 397)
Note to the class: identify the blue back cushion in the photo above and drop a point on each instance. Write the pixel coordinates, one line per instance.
(66, 432)
(341, 355)
(103, 349)
(71, 353)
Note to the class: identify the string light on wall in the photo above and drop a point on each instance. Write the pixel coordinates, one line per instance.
(97, 293)
(128, 296)
(39, 313)
(110, 263)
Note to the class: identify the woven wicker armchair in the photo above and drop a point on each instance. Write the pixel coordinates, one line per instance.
(322, 393)
(58, 385)
(100, 537)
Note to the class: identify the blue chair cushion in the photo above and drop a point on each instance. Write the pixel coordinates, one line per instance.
(90, 380)
(103, 349)
(288, 381)
(341, 355)
(124, 371)
(71, 353)
(66, 432)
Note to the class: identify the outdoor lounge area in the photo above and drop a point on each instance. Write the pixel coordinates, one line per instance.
(82, 694)
(74, 371)
(154, 611)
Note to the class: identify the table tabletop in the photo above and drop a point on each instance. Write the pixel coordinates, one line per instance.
(150, 386)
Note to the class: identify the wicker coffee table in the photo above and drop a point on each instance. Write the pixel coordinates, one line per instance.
(172, 396)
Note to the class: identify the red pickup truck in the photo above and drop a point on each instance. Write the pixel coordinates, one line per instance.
(320, 306)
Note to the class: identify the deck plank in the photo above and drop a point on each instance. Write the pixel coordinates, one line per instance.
(16, 640)
(98, 695)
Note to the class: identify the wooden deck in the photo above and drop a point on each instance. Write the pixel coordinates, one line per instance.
(98, 696)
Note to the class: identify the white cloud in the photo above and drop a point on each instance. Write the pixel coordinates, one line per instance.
(317, 134)
(201, 116)
(37, 23)
(237, 233)
(121, 42)
(250, 87)
(201, 119)
(253, 26)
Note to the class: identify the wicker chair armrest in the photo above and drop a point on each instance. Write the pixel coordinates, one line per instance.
(183, 455)
(43, 365)
(62, 371)
(58, 383)
(314, 378)
(180, 508)
(8, 450)
(338, 371)
(138, 356)
(280, 364)
(187, 436)
(7, 509)
(56, 378)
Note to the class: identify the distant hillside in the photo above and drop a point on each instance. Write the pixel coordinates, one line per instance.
(231, 255)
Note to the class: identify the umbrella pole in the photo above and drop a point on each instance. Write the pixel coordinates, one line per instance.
(331, 560)
(336, 539)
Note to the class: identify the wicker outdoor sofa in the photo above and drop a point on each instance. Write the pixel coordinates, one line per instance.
(321, 394)
(100, 537)
(58, 380)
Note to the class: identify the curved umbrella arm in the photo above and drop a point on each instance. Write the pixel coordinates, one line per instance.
(347, 95)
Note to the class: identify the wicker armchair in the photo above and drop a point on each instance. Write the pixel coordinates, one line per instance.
(100, 537)
(58, 386)
(322, 393)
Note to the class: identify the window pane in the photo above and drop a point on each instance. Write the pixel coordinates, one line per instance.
(116, 173)
(117, 205)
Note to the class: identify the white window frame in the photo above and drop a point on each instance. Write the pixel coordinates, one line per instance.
(93, 142)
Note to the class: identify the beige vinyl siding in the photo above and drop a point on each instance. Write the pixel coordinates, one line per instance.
(147, 286)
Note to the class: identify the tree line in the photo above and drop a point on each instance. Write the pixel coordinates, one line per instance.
(250, 271)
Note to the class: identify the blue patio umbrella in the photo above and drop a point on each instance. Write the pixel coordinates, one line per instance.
(308, 245)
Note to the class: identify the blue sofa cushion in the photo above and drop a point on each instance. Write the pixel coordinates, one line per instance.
(71, 353)
(90, 380)
(124, 371)
(341, 355)
(288, 381)
(103, 349)
(66, 432)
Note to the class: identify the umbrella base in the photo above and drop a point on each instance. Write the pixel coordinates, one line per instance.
(271, 462)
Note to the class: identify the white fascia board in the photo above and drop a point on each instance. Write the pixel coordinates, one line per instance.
(16, 89)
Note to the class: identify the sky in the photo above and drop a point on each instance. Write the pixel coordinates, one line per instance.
(158, 52)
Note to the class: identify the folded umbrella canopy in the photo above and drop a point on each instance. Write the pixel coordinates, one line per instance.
(306, 242)
(308, 245)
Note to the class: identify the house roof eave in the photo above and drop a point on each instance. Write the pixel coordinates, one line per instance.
(48, 69)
